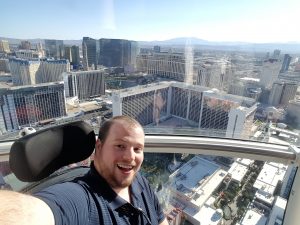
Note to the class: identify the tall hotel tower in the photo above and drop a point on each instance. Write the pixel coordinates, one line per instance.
(185, 105)
(35, 71)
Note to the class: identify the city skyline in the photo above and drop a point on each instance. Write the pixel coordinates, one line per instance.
(255, 22)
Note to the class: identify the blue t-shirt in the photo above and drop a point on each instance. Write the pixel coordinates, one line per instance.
(90, 200)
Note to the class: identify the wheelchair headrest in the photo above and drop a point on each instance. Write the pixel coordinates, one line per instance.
(37, 155)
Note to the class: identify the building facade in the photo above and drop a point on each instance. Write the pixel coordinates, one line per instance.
(54, 49)
(35, 71)
(23, 71)
(75, 55)
(286, 63)
(118, 53)
(199, 107)
(276, 93)
(270, 72)
(51, 70)
(26, 105)
(289, 92)
(282, 92)
(84, 84)
(91, 53)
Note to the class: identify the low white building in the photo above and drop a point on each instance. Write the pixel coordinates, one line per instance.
(191, 188)
(267, 180)
(237, 172)
(253, 217)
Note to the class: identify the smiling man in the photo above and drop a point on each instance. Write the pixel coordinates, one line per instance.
(112, 192)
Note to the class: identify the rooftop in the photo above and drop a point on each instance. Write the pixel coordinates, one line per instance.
(245, 162)
(270, 175)
(196, 180)
(253, 218)
(267, 180)
(207, 215)
(237, 171)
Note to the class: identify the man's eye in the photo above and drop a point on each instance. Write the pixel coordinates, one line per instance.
(121, 146)
(138, 149)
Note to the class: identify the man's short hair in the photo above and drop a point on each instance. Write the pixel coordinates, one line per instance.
(104, 129)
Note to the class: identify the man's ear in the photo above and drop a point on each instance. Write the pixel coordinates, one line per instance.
(98, 145)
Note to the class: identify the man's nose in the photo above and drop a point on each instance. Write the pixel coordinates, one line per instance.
(129, 154)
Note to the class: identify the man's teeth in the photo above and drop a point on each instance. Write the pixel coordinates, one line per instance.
(125, 166)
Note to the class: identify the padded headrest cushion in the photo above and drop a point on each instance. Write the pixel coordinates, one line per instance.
(36, 156)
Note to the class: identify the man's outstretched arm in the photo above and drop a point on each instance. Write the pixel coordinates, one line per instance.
(16, 208)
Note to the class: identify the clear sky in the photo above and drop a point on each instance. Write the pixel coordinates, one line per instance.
(144, 20)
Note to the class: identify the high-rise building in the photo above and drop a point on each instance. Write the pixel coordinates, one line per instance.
(216, 73)
(35, 71)
(269, 73)
(54, 49)
(27, 105)
(68, 53)
(51, 70)
(4, 46)
(25, 45)
(23, 71)
(276, 93)
(91, 52)
(282, 92)
(75, 55)
(194, 106)
(118, 53)
(84, 84)
(72, 54)
(286, 63)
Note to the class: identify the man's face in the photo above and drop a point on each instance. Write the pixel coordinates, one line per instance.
(120, 156)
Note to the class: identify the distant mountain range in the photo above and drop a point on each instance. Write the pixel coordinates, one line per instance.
(290, 47)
